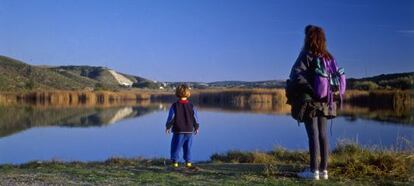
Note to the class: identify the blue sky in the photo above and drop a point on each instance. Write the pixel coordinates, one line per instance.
(207, 40)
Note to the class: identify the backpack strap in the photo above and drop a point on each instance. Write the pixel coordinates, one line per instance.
(331, 126)
(328, 68)
(339, 72)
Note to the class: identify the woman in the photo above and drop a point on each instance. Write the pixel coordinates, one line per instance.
(312, 110)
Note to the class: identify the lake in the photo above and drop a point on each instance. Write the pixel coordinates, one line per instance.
(29, 133)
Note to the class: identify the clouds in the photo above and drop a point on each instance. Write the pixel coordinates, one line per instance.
(405, 31)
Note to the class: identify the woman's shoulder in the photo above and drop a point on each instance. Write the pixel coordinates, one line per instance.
(306, 56)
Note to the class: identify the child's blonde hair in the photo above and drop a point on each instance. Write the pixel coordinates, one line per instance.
(182, 91)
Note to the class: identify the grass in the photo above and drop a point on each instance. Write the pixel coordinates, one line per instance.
(351, 161)
(349, 165)
(347, 161)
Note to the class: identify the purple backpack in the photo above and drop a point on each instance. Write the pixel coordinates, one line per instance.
(328, 79)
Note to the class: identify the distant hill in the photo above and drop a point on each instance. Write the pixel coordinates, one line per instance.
(402, 81)
(232, 84)
(16, 75)
(249, 84)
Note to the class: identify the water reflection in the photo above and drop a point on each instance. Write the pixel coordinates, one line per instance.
(40, 131)
(260, 108)
(392, 115)
(17, 118)
(387, 115)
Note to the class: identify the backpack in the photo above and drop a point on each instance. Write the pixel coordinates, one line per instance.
(300, 109)
(328, 79)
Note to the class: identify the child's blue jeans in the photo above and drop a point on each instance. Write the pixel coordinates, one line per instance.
(183, 140)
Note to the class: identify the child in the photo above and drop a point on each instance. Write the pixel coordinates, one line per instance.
(182, 120)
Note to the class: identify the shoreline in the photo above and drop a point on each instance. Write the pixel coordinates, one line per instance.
(388, 98)
(382, 105)
(349, 164)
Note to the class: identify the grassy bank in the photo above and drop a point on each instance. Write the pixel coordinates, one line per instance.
(393, 99)
(346, 162)
(349, 165)
(270, 101)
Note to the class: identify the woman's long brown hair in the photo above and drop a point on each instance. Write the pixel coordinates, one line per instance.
(315, 41)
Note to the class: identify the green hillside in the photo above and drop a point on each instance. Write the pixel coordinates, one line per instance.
(16, 75)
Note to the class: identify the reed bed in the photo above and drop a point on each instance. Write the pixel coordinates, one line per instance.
(72, 98)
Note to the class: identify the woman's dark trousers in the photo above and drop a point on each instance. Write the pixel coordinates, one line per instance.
(318, 142)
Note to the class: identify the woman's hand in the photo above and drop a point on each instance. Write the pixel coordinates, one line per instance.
(196, 132)
(168, 131)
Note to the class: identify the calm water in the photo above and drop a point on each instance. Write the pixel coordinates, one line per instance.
(90, 134)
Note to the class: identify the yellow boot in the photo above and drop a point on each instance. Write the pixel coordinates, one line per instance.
(188, 164)
(175, 164)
